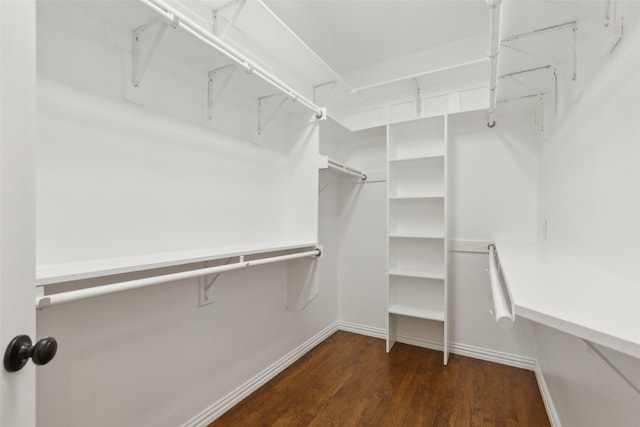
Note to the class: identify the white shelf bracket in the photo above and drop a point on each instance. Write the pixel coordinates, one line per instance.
(611, 365)
(331, 84)
(238, 4)
(574, 32)
(418, 98)
(514, 77)
(141, 60)
(263, 125)
(222, 76)
(206, 282)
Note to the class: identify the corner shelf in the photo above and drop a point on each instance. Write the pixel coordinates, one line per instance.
(417, 225)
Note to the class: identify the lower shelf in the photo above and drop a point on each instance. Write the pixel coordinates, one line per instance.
(418, 312)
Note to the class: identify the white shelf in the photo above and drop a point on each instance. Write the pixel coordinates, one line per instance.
(404, 272)
(58, 273)
(417, 158)
(416, 236)
(556, 289)
(424, 197)
(418, 312)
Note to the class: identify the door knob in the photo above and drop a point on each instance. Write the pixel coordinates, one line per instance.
(20, 350)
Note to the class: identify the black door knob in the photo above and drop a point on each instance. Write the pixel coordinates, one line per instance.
(20, 350)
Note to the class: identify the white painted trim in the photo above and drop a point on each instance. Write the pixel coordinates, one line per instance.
(227, 402)
(356, 328)
(420, 342)
(554, 419)
(500, 357)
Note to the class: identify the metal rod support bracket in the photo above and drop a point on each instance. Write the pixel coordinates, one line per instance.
(263, 125)
(239, 4)
(142, 60)
(224, 74)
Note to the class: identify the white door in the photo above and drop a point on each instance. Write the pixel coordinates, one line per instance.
(17, 203)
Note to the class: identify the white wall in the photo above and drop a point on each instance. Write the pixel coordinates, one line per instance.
(115, 179)
(492, 195)
(360, 217)
(590, 199)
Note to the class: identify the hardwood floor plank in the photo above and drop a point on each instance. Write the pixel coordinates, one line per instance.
(349, 380)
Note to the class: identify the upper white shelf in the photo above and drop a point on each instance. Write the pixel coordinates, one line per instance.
(59, 273)
(417, 158)
(558, 290)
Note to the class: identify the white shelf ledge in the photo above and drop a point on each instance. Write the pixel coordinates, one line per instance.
(59, 273)
(554, 288)
(421, 197)
(439, 275)
(417, 236)
(417, 158)
(418, 312)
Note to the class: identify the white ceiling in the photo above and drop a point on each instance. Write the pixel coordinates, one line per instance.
(353, 34)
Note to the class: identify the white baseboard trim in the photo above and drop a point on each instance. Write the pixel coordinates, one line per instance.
(356, 328)
(419, 342)
(554, 419)
(500, 357)
(227, 402)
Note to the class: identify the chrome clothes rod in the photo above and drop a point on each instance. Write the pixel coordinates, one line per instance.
(80, 294)
(177, 20)
(502, 309)
(347, 169)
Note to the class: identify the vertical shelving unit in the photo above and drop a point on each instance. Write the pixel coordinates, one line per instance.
(417, 225)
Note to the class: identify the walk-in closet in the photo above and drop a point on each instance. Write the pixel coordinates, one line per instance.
(319, 212)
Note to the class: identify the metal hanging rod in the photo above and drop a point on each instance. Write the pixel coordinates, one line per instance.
(65, 297)
(332, 164)
(178, 20)
(502, 312)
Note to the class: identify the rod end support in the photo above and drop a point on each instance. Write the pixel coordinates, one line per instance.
(491, 124)
(322, 114)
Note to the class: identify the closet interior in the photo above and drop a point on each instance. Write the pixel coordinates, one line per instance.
(229, 180)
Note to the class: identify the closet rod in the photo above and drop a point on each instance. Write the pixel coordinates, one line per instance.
(80, 294)
(502, 309)
(347, 169)
(178, 20)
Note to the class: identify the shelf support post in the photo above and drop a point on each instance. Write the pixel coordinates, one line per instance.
(239, 4)
(214, 93)
(263, 125)
(418, 98)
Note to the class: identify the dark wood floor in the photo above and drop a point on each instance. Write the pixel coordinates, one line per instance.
(349, 380)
